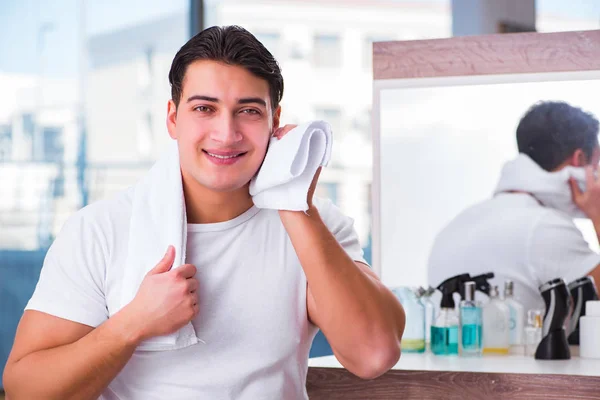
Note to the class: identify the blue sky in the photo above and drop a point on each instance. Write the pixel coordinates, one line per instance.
(21, 20)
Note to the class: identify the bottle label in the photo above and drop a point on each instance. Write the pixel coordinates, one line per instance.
(513, 325)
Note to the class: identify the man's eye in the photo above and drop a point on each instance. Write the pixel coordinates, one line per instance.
(201, 109)
(250, 111)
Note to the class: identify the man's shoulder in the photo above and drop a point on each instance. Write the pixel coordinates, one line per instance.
(117, 203)
(505, 210)
(554, 219)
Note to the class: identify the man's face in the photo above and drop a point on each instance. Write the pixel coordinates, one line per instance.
(595, 160)
(222, 125)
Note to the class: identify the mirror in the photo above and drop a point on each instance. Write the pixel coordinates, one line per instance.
(445, 114)
(441, 149)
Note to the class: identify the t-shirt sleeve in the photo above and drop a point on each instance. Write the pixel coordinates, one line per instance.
(71, 283)
(558, 249)
(342, 228)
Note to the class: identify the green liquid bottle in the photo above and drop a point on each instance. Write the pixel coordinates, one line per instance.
(413, 339)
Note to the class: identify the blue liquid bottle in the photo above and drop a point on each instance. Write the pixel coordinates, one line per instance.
(444, 330)
(444, 333)
(470, 315)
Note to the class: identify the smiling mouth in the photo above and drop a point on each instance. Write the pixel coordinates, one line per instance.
(224, 156)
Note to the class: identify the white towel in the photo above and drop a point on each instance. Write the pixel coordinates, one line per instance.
(158, 219)
(552, 189)
(289, 167)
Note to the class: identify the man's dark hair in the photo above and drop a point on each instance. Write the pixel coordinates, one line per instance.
(551, 131)
(231, 45)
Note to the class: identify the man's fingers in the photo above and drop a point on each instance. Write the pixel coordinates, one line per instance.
(318, 173)
(186, 271)
(165, 263)
(192, 284)
(590, 179)
(281, 132)
(575, 190)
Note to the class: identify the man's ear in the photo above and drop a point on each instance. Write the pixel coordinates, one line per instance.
(276, 119)
(172, 119)
(579, 159)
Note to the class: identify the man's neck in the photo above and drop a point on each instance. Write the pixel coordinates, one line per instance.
(205, 206)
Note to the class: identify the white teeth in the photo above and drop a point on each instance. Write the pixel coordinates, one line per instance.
(222, 157)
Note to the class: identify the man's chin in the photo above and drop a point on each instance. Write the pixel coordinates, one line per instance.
(227, 187)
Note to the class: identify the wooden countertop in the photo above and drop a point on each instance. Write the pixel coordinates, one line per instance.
(425, 376)
(495, 364)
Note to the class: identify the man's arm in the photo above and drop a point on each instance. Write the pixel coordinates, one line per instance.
(589, 203)
(595, 273)
(360, 317)
(53, 358)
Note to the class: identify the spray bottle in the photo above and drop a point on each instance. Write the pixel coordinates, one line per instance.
(444, 330)
(482, 284)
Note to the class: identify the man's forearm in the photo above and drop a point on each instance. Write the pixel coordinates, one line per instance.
(360, 317)
(80, 370)
(597, 228)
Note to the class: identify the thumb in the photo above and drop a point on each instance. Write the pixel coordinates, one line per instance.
(165, 263)
(575, 190)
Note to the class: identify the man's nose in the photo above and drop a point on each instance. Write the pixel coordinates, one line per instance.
(226, 131)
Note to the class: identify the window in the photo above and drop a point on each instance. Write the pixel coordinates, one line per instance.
(271, 41)
(28, 124)
(296, 52)
(367, 58)
(331, 115)
(361, 123)
(53, 144)
(53, 152)
(144, 132)
(145, 69)
(327, 190)
(5, 143)
(327, 51)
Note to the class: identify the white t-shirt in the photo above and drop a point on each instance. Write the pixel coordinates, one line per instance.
(517, 239)
(252, 299)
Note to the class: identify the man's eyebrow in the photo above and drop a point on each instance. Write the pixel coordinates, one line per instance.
(205, 98)
(250, 100)
(245, 100)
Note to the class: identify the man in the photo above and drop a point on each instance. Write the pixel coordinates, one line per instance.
(526, 233)
(258, 282)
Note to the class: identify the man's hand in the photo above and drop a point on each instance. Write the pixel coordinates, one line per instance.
(166, 300)
(588, 201)
(281, 132)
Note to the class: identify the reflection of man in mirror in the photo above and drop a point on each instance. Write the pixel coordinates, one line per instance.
(525, 232)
